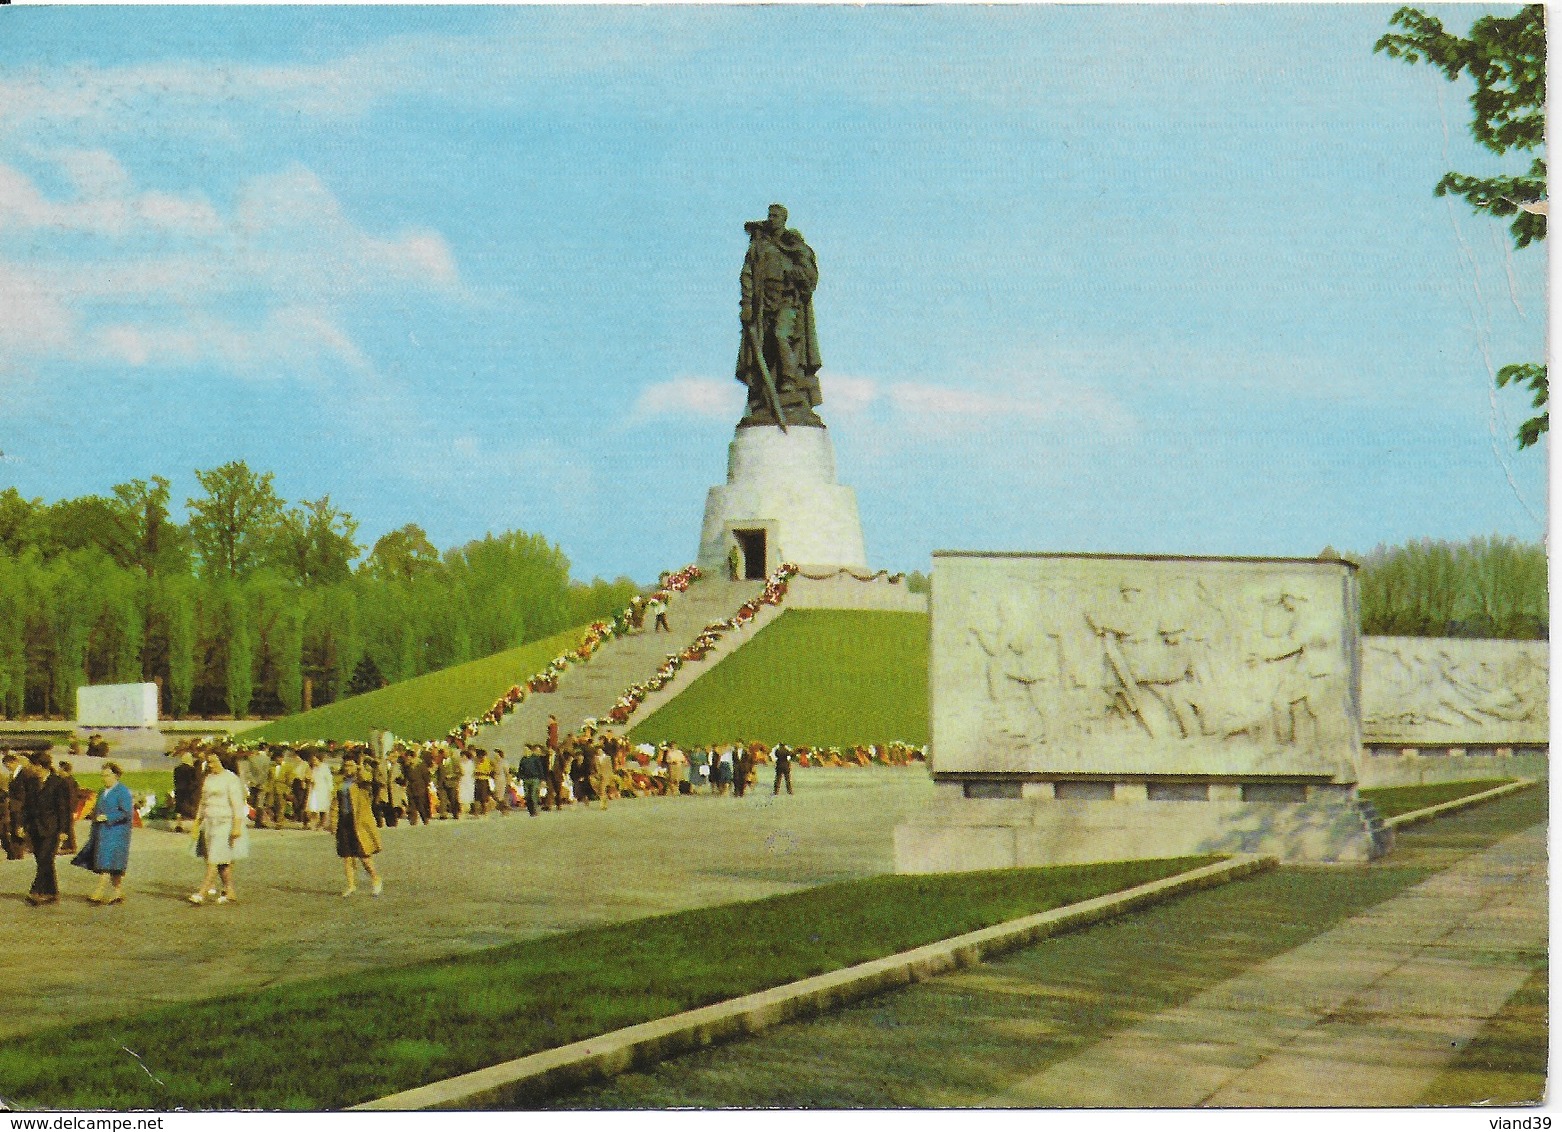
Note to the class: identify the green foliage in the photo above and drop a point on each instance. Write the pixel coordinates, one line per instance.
(460, 1014)
(402, 555)
(234, 523)
(820, 677)
(1505, 56)
(919, 583)
(315, 544)
(1492, 587)
(251, 598)
(1534, 376)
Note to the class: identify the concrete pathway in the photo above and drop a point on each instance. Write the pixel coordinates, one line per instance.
(1366, 1014)
(451, 888)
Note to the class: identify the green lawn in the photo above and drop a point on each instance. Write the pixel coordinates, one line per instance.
(1392, 801)
(157, 782)
(330, 1043)
(820, 677)
(425, 707)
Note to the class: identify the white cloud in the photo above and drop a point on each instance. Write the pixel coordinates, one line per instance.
(848, 394)
(287, 251)
(690, 397)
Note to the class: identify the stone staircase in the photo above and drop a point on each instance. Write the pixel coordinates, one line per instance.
(589, 690)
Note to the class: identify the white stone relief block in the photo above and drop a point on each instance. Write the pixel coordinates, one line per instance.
(1142, 665)
(1447, 691)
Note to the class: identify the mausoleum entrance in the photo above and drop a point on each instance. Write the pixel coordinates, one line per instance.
(751, 543)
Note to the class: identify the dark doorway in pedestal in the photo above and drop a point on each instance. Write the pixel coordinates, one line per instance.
(752, 545)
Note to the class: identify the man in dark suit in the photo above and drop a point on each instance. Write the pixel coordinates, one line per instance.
(46, 808)
(414, 772)
(783, 756)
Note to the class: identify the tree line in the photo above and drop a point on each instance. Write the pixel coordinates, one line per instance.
(253, 606)
(1485, 587)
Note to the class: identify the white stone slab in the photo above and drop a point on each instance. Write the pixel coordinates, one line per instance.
(1450, 692)
(116, 705)
(1129, 665)
(783, 483)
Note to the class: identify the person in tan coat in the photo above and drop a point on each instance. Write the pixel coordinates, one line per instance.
(352, 819)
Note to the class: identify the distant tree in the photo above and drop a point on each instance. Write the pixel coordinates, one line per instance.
(144, 536)
(1506, 58)
(315, 544)
(366, 677)
(918, 582)
(18, 516)
(233, 525)
(1485, 587)
(401, 555)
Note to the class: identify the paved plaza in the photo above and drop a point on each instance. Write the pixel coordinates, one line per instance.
(451, 887)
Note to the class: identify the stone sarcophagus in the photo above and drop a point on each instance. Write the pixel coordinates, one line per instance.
(1096, 707)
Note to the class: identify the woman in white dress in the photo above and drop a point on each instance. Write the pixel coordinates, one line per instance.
(321, 786)
(221, 829)
(467, 789)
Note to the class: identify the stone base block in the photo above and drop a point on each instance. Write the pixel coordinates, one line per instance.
(781, 492)
(966, 834)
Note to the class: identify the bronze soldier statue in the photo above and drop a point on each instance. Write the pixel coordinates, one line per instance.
(779, 357)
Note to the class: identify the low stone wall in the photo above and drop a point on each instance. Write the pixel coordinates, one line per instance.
(1395, 766)
(962, 832)
(846, 592)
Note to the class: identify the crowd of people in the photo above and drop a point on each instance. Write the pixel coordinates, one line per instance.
(351, 790)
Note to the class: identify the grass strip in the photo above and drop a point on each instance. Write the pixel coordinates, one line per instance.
(331, 1043)
(1505, 1064)
(819, 677)
(1392, 801)
(425, 707)
(961, 1039)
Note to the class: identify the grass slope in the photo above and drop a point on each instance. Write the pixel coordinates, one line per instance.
(424, 707)
(329, 1043)
(821, 677)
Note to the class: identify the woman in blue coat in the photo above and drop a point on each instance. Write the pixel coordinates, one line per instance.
(107, 851)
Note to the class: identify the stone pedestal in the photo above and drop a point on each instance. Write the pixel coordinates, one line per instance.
(781, 503)
(959, 834)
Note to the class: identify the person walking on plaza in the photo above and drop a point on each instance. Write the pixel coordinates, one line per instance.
(107, 851)
(601, 775)
(501, 781)
(553, 733)
(533, 769)
(77, 797)
(783, 756)
(7, 833)
(677, 764)
(448, 776)
(187, 791)
(46, 812)
(352, 818)
(221, 833)
(657, 608)
(483, 783)
(467, 786)
(721, 771)
(321, 786)
(743, 764)
(415, 774)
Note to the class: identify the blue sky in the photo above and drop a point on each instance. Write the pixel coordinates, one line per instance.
(1092, 278)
